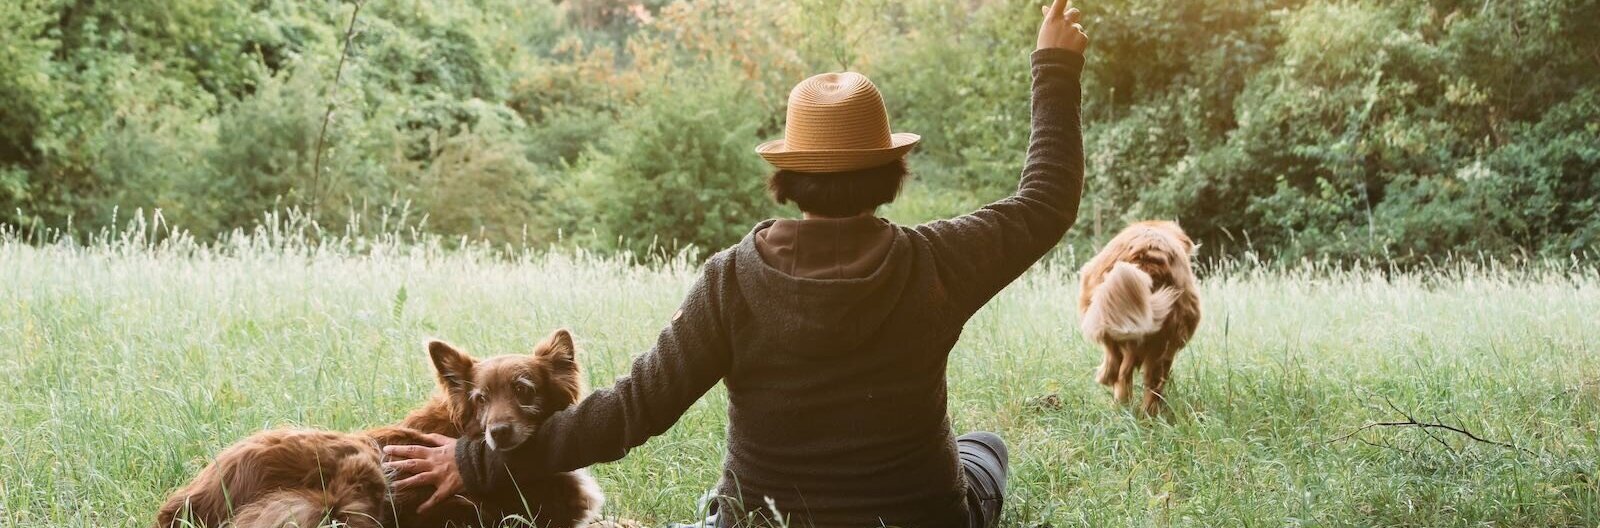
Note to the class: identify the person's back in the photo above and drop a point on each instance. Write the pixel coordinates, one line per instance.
(836, 385)
(832, 332)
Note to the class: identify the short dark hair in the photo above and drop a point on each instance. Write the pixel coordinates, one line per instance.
(839, 194)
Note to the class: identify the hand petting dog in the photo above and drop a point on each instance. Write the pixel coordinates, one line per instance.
(433, 465)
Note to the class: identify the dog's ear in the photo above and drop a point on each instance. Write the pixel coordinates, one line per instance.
(1177, 231)
(558, 347)
(565, 384)
(453, 366)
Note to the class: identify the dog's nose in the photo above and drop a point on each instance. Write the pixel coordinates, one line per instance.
(501, 433)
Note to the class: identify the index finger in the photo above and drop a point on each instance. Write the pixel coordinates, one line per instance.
(1058, 8)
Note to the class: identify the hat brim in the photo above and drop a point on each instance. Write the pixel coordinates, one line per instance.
(777, 153)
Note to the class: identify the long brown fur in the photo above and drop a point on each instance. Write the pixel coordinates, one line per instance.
(306, 478)
(1140, 302)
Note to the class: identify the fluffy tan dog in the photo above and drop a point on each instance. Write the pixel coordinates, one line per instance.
(1140, 302)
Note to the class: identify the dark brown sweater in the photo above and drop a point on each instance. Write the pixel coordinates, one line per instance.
(836, 385)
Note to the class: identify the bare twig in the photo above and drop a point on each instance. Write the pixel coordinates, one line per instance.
(1385, 445)
(1427, 428)
(327, 115)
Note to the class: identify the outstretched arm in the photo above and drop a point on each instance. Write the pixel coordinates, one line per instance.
(980, 253)
(689, 357)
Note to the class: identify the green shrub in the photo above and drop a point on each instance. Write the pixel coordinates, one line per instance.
(480, 183)
(678, 170)
(27, 100)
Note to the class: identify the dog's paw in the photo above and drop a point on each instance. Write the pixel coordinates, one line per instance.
(1104, 376)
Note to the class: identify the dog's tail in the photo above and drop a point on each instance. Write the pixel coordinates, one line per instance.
(1122, 308)
(194, 508)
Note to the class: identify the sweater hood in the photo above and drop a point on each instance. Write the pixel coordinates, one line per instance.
(824, 287)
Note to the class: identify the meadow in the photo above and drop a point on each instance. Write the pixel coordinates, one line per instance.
(127, 363)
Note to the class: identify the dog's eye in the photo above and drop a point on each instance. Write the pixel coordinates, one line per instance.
(525, 392)
(479, 399)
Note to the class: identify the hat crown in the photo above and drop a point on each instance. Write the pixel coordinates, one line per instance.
(841, 111)
(836, 123)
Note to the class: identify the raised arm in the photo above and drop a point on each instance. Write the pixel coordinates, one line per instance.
(980, 253)
(690, 356)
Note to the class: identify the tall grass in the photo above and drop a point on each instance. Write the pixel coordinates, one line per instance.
(133, 356)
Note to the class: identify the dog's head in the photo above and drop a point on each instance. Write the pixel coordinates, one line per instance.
(1160, 248)
(508, 397)
(1178, 242)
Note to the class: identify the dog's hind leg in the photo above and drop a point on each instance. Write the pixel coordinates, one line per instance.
(1123, 388)
(287, 508)
(1155, 381)
(1109, 367)
(305, 509)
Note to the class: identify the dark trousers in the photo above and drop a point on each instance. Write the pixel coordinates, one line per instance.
(984, 460)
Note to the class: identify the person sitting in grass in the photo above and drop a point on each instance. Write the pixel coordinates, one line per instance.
(831, 332)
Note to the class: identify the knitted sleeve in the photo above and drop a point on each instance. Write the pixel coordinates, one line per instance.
(980, 253)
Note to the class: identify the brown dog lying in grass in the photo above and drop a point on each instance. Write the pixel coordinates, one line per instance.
(307, 478)
(1140, 302)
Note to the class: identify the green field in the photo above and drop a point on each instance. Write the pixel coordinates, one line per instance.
(127, 364)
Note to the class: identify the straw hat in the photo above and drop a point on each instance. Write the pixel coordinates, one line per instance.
(836, 123)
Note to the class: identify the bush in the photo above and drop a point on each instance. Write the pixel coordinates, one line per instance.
(678, 170)
(480, 183)
(27, 101)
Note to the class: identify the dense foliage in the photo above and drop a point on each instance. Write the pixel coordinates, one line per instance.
(1293, 128)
